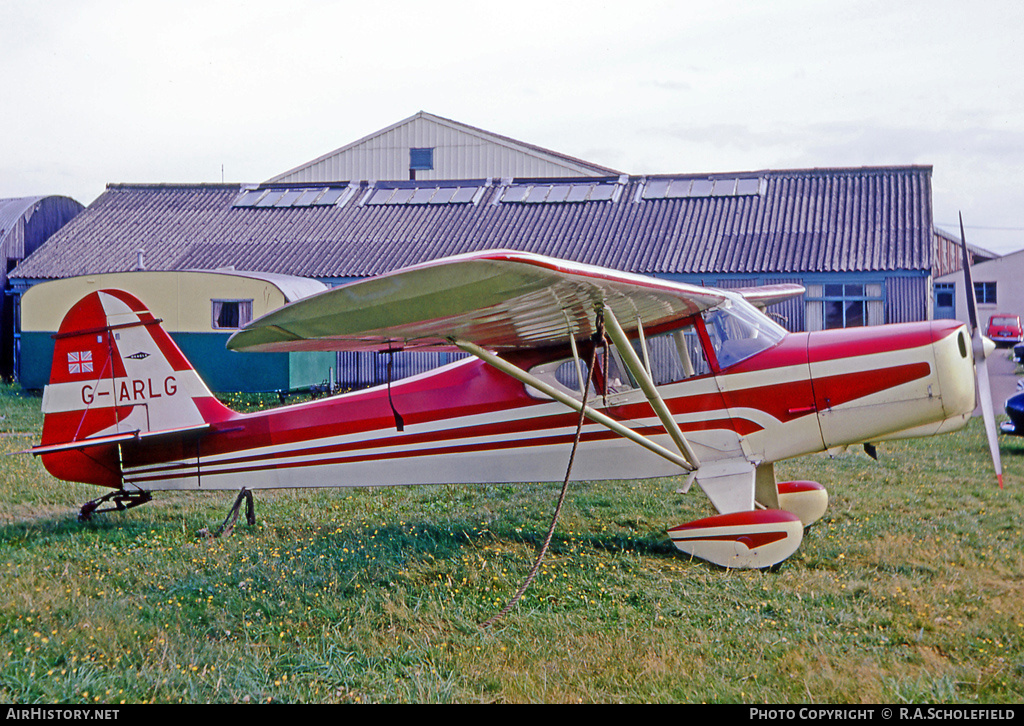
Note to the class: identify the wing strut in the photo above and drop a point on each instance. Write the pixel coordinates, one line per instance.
(522, 376)
(643, 377)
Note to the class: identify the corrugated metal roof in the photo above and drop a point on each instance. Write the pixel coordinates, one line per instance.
(26, 222)
(11, 210)
(815, 220)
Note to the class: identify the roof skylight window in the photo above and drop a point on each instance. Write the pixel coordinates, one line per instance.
(332, 195)
(423, 196)
(289, 198)
(724, 188)
(558, 193)
(689, 187)
(746, 187)
(579, 193)
(603, 192)
(293, 197)
(271, 198)
(656, 188)
(679, 188)
(381, 196)
(399, 195)
(443, 195)
(701, 188)
(538, 194)
(464, 195)
(308, 197)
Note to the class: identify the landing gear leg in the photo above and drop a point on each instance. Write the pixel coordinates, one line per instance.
(121, 499)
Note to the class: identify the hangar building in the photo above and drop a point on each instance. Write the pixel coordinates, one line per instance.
(25, 223)
(859, 239)
(428, 147)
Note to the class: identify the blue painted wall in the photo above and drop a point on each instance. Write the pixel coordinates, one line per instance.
(223, 371)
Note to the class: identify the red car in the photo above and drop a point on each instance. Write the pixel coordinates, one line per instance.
(1003, 328)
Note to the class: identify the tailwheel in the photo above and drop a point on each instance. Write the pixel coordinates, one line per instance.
(756, 539)
(806, 499)
(122, 501)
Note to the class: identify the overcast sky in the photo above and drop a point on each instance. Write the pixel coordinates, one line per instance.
(101, 92)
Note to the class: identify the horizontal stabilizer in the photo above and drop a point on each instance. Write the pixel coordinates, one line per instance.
(113, 439)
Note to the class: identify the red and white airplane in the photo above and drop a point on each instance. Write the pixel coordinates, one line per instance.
(686, 381)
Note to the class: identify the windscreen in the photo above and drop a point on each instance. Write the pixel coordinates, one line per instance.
(738, 331)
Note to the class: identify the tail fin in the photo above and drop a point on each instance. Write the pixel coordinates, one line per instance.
(115, 372)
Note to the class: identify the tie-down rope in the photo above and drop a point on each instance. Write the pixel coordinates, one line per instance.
(598, 337)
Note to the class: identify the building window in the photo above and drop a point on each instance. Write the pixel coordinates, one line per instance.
(985, 293)
(421, 159)
(945, 300)
(844, 305)
(231, 314)
(945, 294)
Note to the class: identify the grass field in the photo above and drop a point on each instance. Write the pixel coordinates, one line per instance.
(910, 590)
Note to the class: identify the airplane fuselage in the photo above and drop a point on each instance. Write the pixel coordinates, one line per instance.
(470, 423)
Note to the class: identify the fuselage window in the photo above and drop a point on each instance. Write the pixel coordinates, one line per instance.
(563, 374)
(571, 376)
(616, 379)
(610, 375)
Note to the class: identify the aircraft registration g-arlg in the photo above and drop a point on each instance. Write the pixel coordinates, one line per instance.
(682, 381)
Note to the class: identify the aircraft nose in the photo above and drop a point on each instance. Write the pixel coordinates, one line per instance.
(954, 367)
(872, 384)
(989, 345)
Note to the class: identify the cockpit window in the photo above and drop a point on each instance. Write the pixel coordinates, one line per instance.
(571, 376)
(738, 331)
(674, 356)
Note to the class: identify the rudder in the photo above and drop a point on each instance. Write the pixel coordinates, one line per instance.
(116, 371)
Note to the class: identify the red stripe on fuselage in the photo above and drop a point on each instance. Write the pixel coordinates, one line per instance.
(472, 388)
(272, 461)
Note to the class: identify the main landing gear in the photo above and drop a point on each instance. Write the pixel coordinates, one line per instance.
(755, 539)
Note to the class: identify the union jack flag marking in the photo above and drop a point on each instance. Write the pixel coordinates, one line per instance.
(80, 362)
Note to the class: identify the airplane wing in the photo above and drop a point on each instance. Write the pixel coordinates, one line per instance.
(768, 295)
(498, 300)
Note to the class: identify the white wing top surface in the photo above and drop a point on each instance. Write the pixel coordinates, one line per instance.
(499, 300)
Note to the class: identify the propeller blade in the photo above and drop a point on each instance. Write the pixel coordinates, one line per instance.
(972, 300)
(981, 363)
(988, 415)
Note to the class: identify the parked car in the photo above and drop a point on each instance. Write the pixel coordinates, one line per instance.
(1005, 329)
(1015, 410)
